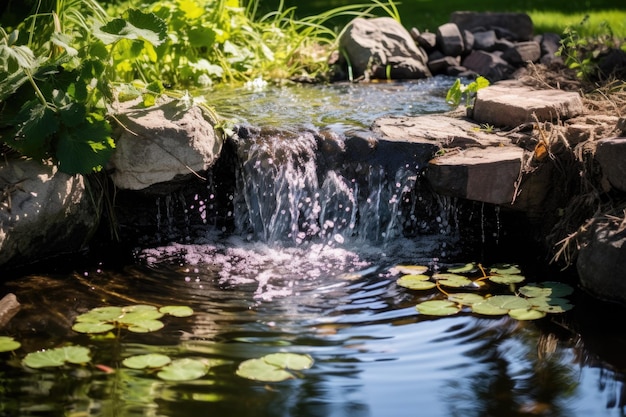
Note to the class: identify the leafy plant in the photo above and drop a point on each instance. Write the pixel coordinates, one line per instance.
(459, 90)
(273, 367)
(57, 357)
(529, 302)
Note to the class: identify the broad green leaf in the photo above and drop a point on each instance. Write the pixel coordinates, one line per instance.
(139, 307)
(463, 269)
(416, 282)
(526, 314)
(488, 309)
(506, 279)
(57, 357)
(438, 308)
(467, 299)
(452, 280)
(411, 269)
(260, 370)
(509, 302)
(151, 360)
(547, 289)
(86, 147)
(185, 369)
(99, 314)
(92, 327)
(177, 311)
(144, 326)
(294, 361)
(505, 269)
(8, 344)
(550, 304)
(38, 124)
(138, 25)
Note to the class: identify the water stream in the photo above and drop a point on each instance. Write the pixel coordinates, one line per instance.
(308, 267)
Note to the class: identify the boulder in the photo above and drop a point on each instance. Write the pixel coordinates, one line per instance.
(157, 144)
(489, 65)
(44, 212)
(450, 40)
(523, 52)
(611, 155)
(517, 26)
(382, 48)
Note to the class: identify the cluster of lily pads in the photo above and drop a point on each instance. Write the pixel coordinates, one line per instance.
(465, 288)
(142, 319)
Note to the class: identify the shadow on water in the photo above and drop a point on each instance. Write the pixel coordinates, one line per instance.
(297, 256)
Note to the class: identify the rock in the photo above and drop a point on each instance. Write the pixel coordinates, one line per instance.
(44, 212)
(373, 44)
(550, 43)
(428, 41)
(613, 64)
(511, 104)
(9, 306)
(589, 128)
(488, 175)
(601, 262)
(522, 52)
(611, 155)
(485, 40)
(441, 65)
(449, 39)
(518, 25)
(489, 65)
(161, 143)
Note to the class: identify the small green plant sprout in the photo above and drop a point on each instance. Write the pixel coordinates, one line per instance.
(136, 318)
(274, 367)
(529, 302)
(8, 344)
(78, 355)
(459, 90)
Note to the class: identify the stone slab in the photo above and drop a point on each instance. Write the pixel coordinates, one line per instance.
(512, 104)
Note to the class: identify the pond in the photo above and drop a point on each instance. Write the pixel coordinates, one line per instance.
(332, 296)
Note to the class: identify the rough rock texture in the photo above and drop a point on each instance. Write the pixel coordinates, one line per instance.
(611, 155)
(158, 144)
(43, 212)
(515, 26)
(374, 44)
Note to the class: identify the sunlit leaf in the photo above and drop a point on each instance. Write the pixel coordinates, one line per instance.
(509, 302)
(463, 269)
(467, 299)
(547, 289)
(488, 309)
(57, 357)
(438, 308)
(550, 304)
(506, 279)
(100, 314)
(452, 280)
(295, 361)
(177, 311)
(411, 269)
(185, 369)
(151, 360)
(144, 326)
(526, 314)
(505, 269)
(260, 370)
(416, 282)
(92, 327)
(8, 344)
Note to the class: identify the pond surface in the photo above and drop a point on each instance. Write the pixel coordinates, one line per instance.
(333, 297)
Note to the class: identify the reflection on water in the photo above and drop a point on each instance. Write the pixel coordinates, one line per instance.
(374, 355)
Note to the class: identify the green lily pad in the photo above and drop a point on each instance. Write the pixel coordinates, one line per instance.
(416, 282)
(411, 269)
(507, 279)
(526, 314)
(453, 280)
(505, 269)
(99, 314)
(185, 369)
(463, 269)
(92, 327)
(488, 309)
(151, 360)
(550, 304)
(547, 289)
(509, 302)
(136, 316)
(177, 311)
(260, 370)
(144, 326)
(438, 308)
(294, 361)
(57, 357)
(466, 299)
(8, 344)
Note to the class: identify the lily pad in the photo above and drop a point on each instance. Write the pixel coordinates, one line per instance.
(526, 314)
(411, 269)
(8, 344)
(151, 360)
(453, 280)
(505, 269)
(177, 311)
(550, 304)
(438, 308)
(185, 369)
(260, 370)
(509, 302)
(488, 309)
(416, 282)
(547, 289)
(92, 327)
(467, 299)
(144, 326)
(57, 357)
(99, 314)
(294, 361)
(507, 279)
(463, 269)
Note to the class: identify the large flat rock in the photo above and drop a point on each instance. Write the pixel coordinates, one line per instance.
(512, 104)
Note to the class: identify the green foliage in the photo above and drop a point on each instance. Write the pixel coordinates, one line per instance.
(529, 302)
(459, 90)
(58, 357)
(273, 367)
(8, 344)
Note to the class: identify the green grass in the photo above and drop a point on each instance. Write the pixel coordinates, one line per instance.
(547, 15)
